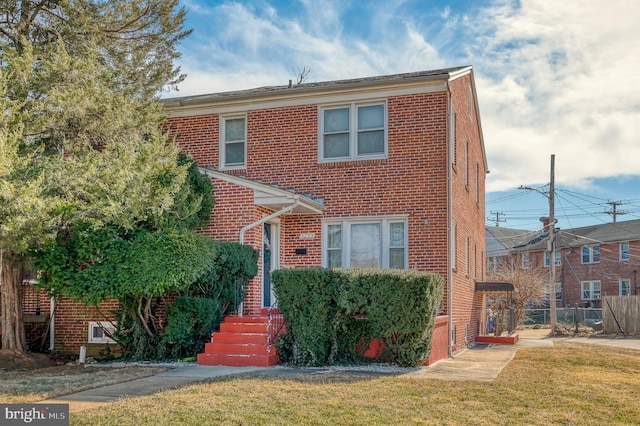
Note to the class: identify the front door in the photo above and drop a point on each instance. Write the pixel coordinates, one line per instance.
(270, 260)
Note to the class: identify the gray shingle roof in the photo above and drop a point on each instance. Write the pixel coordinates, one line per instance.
(575, 237)
(310, 87)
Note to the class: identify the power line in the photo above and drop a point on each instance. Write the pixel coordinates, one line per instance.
(497, 220)
(614, 209)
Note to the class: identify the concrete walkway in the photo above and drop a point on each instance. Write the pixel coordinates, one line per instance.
(482, 363)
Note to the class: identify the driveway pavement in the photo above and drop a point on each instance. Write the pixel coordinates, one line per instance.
(482, 363)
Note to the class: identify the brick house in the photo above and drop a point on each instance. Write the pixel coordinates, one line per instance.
(591, 261)
(380, 172)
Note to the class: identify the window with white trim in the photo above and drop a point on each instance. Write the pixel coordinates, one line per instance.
(99, 332)
(547, 258)
(233, 142)
(466, 255)
(365, 243)
(590, 254)
(452, 135)
(353, 132)
(466, 162)
(558, 288)
(525, 260)
(590, 290)
(625, 287)
(624, 251)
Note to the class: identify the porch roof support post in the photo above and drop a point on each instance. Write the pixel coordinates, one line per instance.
(260, 222)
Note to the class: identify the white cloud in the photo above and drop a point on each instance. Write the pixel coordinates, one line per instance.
(553, 77)
(559, 80)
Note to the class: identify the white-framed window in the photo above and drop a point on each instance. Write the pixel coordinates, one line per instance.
(525, 261)
(590, 254)
(233, 142)
(558, 289)
(466, 255)
(547, 258)
(368, 242)
(452, 135)
(624, 251)
(625, 287)
(355, 131)
(477, 183)
(99, 332)
(466, 162)
(590, 290)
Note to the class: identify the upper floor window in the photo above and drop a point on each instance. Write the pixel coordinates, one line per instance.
(353, 132)
(525, 261)
(624, 251)
(547, 258)
(233, 142)
(625, 287)
(365, 243)
(591, 254)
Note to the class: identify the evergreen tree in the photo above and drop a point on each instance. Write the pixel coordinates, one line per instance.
(79, 137)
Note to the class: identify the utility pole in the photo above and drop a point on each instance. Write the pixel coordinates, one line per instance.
(497, 220)
(552, 248)
(614, 209)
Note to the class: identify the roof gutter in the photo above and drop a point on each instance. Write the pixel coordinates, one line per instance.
(296, 201)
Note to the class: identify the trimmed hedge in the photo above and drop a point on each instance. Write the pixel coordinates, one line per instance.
(332, 314)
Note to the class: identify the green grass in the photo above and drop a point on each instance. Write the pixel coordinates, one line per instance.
(567, 384)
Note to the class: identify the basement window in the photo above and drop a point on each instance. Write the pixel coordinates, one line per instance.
(99, 332)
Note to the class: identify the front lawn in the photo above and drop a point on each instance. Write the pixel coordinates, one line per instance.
(566, 384)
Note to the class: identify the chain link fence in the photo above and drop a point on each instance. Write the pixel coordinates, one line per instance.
(589, 317)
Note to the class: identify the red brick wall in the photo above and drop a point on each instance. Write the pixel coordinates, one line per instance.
(468, 213)
(609, 271)
(282, 148)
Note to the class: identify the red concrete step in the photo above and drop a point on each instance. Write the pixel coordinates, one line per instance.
(247, 319)
(255, 338)
(244, 327)
(237, 360)
(237, 348)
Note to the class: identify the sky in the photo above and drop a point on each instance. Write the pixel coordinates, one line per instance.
(553, 78)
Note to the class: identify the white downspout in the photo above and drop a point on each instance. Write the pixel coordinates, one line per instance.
(450, 226)
(296, 200)
(52, 320)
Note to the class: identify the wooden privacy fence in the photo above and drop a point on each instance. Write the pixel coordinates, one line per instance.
(624, 309)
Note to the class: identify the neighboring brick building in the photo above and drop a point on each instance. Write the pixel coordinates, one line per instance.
(591, 261)
(381, 172)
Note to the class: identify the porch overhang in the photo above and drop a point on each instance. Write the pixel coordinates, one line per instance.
(269, 196)
(494, 286)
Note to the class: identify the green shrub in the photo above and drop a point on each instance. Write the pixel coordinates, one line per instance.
(195, 313)
(190, 321)
(332, 315)
(307, 300)
(400, 307)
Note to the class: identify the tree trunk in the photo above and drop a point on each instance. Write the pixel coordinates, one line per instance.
(11, 274)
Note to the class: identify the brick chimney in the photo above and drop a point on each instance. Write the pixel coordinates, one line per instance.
(545, 223)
